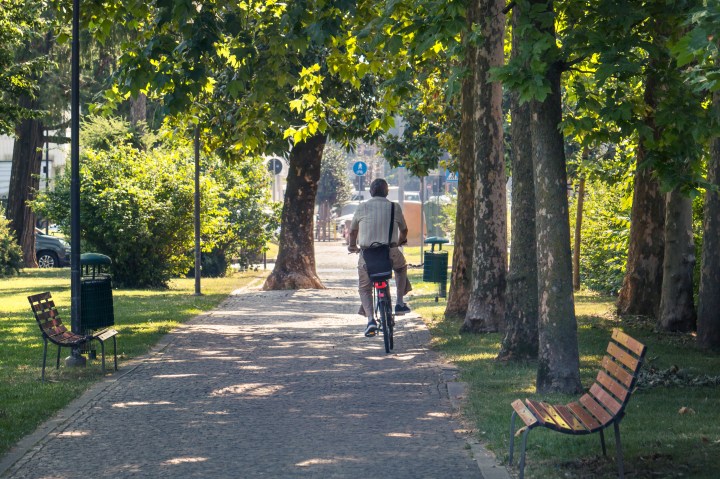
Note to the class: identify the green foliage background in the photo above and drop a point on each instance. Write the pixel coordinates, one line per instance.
(605, 235)
(137, 204)
(334, 185)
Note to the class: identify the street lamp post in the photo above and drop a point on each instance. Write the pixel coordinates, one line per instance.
(47, 173)
(196, 213)
(75, 359)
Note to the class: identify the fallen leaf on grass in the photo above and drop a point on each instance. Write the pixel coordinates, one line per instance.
(686, 410)
(519, 432)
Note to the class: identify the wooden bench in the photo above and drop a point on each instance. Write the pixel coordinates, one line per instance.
(53, 330)
(602, 406)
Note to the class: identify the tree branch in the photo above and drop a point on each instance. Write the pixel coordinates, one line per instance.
(565, 66)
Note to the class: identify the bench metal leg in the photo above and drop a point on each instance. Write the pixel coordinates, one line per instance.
(512, 436)
(618, 450)
(102, 349)
(523, 446)
(45, 342)
(522, 454)
(57, 363)
(602, 442)
(115, 351)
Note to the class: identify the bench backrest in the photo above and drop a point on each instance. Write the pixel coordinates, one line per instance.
(47, 316)
(615, 382)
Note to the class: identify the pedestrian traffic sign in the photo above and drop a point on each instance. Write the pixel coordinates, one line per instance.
(275, 166)
(360, 168)
(451, 176)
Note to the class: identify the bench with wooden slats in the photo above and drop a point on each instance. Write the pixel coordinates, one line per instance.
(603, 405)
(53, 330)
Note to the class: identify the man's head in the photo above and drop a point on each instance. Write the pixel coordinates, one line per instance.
(379, 187)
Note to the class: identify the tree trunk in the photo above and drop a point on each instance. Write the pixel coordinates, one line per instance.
(558, 357)
(26, 162)
(708, 318)
(24, 182)
(677, 311)
(486, 307)
(461, 276)
(295, 265)
(138, 109)
(578, 233)
(521, 293)
(640, 292)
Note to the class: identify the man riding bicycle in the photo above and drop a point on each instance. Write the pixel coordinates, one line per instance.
(370, 226)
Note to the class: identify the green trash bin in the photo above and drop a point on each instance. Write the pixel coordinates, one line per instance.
(435, 265)
(96, 302)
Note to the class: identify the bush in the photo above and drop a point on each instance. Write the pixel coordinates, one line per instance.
(11, 259)
(137, 208)
(253, 218)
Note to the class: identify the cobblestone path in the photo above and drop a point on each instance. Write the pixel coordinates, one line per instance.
(277, 384)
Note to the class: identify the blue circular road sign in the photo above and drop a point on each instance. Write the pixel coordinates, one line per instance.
(360, 168)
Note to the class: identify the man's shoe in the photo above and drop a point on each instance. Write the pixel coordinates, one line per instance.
(401, 309)
(371, 329)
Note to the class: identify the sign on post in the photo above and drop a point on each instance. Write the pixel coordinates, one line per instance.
(451, 176)
(275, 166)
(360, 168)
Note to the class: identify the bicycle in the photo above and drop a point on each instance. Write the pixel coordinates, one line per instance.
(382, 309)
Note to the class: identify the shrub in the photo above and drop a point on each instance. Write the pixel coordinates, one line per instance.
(248, 218)
(11, 259)
(137, 207)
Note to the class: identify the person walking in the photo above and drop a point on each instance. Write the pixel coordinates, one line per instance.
(369, 225)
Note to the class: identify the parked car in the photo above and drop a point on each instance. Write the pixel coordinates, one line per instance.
(51, 251)
(412, 196)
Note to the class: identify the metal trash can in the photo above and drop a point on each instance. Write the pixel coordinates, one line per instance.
(435, 265)
(96, 302)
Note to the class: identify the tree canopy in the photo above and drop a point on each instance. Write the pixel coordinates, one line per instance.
(21, 24)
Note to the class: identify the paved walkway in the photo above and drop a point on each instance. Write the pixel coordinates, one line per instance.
(277, 384)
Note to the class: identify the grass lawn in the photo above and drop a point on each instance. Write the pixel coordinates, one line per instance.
(141, 317)
(660, 438)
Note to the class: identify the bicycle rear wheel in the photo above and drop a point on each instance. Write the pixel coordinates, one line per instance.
(390, 324)
(385, 322)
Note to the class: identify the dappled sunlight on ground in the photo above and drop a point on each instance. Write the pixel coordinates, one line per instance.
(141, 403)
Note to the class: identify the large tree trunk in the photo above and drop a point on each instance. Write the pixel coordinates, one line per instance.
(708, 319)
(640, 292)
(521, 293)
(578, 232)
(677, 311)
(24, 182)
(558, 356)
(461, 276)
(295, 265)
(486, 307)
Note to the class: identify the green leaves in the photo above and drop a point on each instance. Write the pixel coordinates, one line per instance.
(698, 51)
(137, 203)
(22, 26)
(11, 258)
